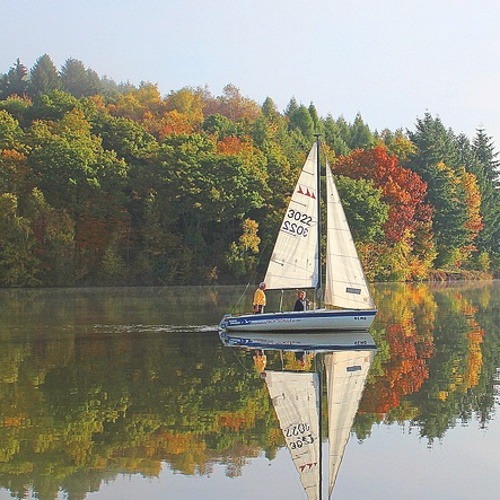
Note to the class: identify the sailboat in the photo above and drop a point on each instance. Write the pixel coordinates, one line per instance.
(296, 263)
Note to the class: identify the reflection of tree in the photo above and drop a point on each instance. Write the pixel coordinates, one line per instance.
(455, 369)
(87, 410)
(434, 366)
(406, 344)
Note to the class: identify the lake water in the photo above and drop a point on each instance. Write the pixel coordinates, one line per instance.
(129, 393)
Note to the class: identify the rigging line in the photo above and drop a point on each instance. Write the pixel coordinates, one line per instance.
(252, 277)
(239, 359)
(241, 296)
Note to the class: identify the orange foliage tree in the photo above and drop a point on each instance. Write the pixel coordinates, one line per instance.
(403, 190)
(408, 251)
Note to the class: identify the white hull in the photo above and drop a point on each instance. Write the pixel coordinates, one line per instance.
(303, 321)
(300, 341)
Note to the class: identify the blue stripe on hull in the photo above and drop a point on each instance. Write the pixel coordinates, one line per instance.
(259, 344)
(310, 320)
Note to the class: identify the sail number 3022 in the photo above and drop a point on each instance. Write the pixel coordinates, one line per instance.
(299, 435)
(297, 222)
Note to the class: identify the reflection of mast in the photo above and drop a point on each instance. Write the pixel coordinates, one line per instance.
(295, 397)
(346, 373)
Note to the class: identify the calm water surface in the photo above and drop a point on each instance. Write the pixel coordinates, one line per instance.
(129, 393)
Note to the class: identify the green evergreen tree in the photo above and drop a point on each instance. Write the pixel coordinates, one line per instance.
(335, 136)
(318, 124)
(291, 108)
(15, 82)
(361, 136)
(301, 121)
(269, 108)
(43, 77)
(75, 78)
(489, 182)
(484, 149)
(94, 82)
(109, 88)
(436, 160)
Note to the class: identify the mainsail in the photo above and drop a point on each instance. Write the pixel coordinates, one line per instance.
(345, 282)
(295, 397)
(294, 261)
(346, 373)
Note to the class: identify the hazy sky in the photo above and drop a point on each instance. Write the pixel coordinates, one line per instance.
(390, 60)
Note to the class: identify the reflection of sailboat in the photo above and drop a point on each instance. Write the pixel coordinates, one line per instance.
(295, 263)
(314, 341)
(296, 398)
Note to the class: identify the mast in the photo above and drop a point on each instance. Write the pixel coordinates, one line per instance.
(320, 425)
(318, 201)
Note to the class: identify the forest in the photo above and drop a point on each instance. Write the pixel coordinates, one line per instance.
(105, 183)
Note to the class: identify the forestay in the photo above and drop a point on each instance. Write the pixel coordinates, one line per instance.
(345, 282)
(294, 261)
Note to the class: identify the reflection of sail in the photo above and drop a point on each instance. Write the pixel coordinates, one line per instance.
(295, 397)
(346, 374)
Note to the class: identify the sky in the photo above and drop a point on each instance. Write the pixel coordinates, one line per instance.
(390, 60)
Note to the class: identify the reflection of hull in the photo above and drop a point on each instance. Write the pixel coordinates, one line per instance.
(301, 341)
(314, 320)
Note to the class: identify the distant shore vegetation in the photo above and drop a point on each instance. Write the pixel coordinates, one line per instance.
(105, 183)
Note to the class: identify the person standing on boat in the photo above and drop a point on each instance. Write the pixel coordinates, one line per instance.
(259, 299)
(302, 303)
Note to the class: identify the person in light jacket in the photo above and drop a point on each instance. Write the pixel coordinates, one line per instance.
(259, 299)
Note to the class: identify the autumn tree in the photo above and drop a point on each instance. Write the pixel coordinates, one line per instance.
(18, 264)
(211, 191)
(403, 190)
(137, 104)
(233, 105)
(397, 143)
(241, 258)
(408, 221)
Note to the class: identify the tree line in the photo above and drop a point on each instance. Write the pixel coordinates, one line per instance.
(114, 184)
